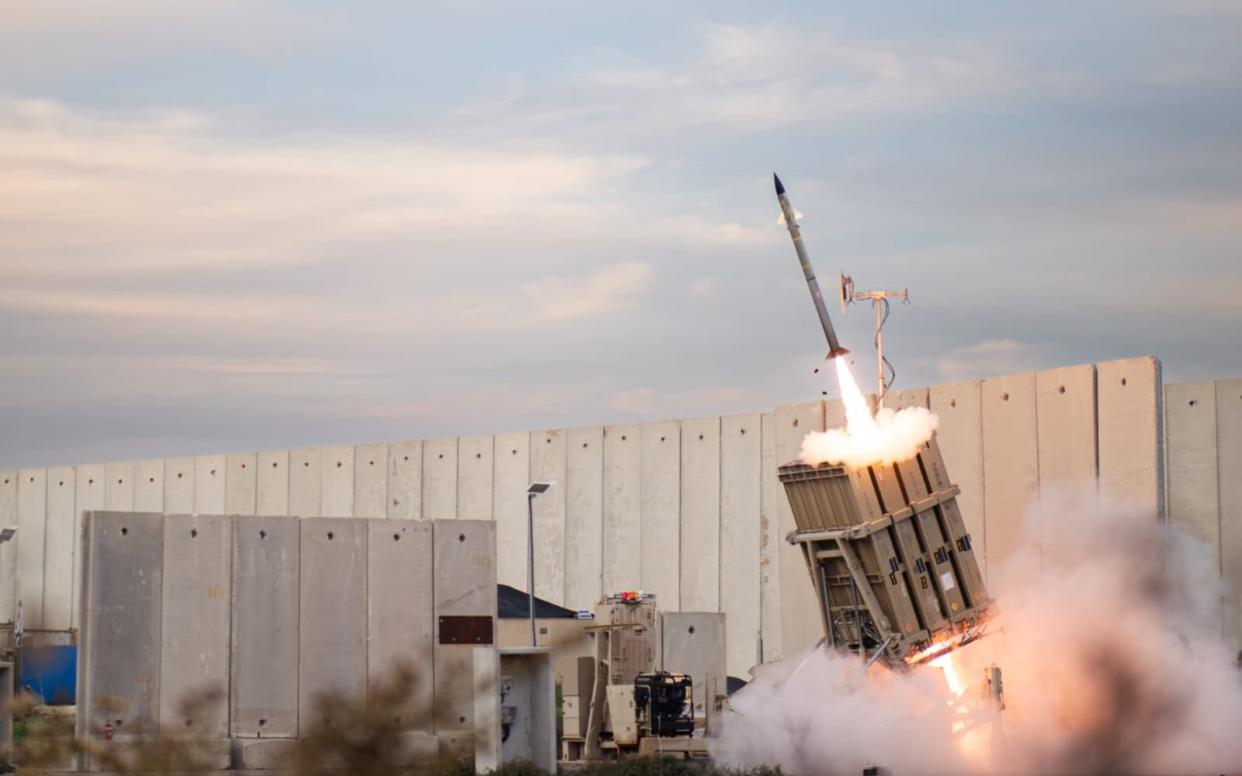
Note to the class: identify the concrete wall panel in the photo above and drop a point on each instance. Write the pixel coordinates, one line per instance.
(264, 660)
(1010, 463)
(834, 414)
(584, 517)
(548, 463)
(740, 495)
(405, 480)
(474, 477)
(240, 483)
(119, 486)
(1193, 491)
(272, 483)
(209, 484)
(511, 478)
(178, 486)
(622, 507)
(333, 627)
(336, 483)
(31, 535)
(771, 494)
(60, 547)
(194, 646)
(465, 585)
(149, 485)
(659, 529)
(8, 550)
(120, 639)
(800, 625)
(88, 497)
(1229, 463)
(305, 472)
(400, 623)
(693, 643)
(1130, 436)
(440, 479)
(908, 397)
(1066, 420)
(370, 480)
(959, 408)
(700, 515)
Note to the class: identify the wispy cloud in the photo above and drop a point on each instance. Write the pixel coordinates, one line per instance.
(985, 358)
(229, 224)
(166, 188)
(608, 289)
(650, 403)
(774, 74)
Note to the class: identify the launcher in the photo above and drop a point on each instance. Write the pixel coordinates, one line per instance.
(893, 566)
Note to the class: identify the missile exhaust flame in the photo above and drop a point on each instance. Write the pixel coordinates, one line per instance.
(887, 437)
(945, 664)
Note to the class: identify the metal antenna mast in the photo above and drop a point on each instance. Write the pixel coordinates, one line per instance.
(885, 373)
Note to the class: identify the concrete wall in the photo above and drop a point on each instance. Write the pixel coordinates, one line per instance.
(237, 626)
(1203, 447)
(690, 509)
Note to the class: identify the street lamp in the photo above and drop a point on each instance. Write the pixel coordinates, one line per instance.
(535, 489)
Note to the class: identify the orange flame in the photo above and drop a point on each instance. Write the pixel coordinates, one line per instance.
(945, 664)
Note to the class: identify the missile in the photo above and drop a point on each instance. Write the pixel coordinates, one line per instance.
(834, 347)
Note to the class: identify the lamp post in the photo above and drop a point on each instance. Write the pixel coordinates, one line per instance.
(535, 489)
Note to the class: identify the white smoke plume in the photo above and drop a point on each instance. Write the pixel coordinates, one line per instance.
(895, 436)
(1108, 635)
(888, 437)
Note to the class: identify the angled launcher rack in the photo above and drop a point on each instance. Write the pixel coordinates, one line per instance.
(889, 556)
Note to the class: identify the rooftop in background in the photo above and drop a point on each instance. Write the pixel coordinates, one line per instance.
(513, 604)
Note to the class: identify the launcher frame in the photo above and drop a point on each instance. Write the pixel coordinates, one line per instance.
(889, 556)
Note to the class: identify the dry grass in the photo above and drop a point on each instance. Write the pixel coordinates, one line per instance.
(350, 736)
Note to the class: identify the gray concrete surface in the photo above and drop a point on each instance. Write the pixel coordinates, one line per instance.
(333, 628)
(400, 624)
(265, 617)
(195, 622)
(121, 634)
(693, 643)
(465, 585)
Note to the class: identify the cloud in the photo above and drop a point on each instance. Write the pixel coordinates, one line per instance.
(609, 289)
(705, 286)
(651, 403)
(775, 74)
(167, 187)
(190, 192)
(985, 358)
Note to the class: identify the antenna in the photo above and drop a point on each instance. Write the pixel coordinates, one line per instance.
(885, 373)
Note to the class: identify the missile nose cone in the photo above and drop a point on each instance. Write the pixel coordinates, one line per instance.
(780, 189)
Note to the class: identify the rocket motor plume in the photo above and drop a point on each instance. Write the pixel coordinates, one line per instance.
(945, 664)
(887, 437)
(1110, 642)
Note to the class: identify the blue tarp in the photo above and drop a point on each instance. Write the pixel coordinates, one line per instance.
(50, 673)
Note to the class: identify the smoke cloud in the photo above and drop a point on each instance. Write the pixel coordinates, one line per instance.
(894, 436)
(886, 438)
(1108, 634)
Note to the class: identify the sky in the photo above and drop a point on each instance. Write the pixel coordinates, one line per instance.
(229, 226)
